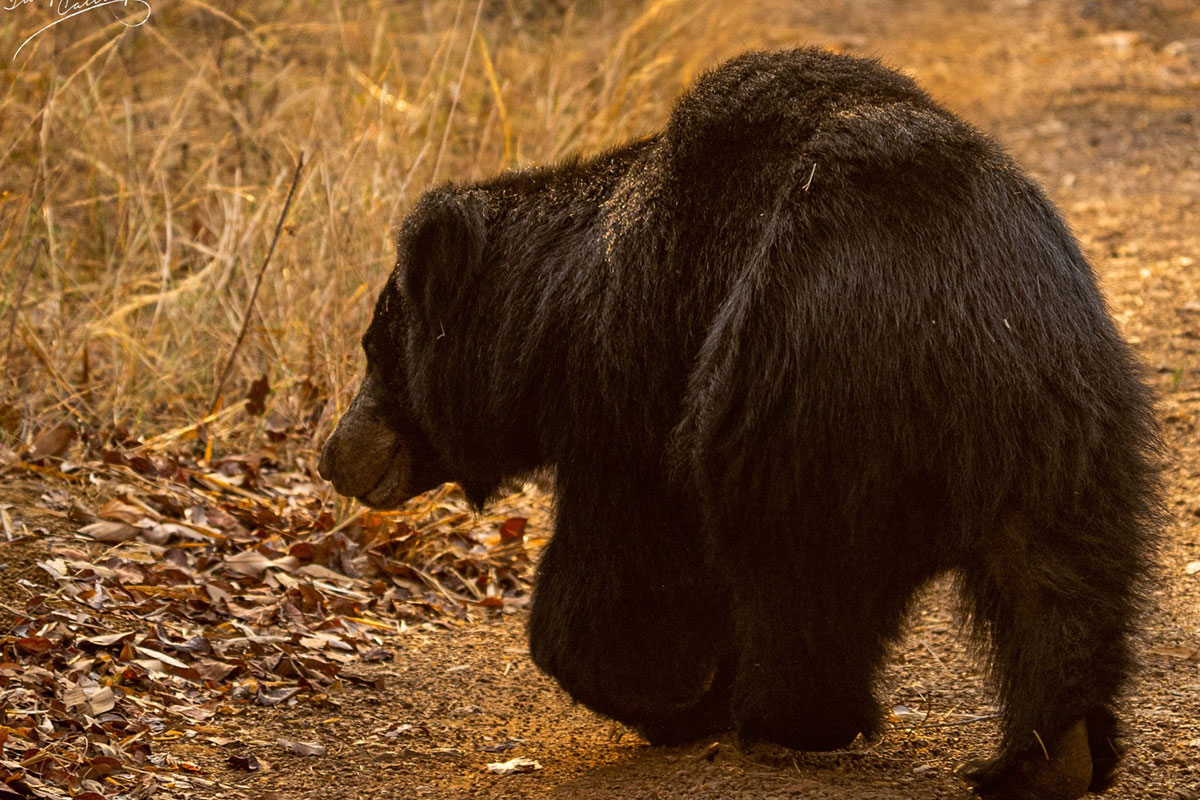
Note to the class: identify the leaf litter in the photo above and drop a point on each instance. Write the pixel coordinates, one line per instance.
(198, 588)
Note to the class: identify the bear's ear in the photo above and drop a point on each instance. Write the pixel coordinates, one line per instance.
(440, 248)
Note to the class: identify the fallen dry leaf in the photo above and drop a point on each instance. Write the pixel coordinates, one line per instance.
(516, 766)
(256, 398)
(52, 443)
(1182, 653)
(302, 748)
(110, 532)
(249, 762)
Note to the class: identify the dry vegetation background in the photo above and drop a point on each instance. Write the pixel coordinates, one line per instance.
(145, 168)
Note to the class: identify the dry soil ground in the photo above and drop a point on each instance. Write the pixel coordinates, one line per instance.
(1105, 111)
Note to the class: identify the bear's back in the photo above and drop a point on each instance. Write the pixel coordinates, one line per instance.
(811, 104)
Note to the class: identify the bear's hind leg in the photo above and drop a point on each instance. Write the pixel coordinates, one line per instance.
(1057, 605)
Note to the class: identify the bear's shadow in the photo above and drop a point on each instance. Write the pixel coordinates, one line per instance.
(723, 772)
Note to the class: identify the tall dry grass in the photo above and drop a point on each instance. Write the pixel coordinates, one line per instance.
(144, 169)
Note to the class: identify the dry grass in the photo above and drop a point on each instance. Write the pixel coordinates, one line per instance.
(144, 170)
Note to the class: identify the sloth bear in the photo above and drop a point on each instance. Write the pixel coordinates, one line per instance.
(811, 345)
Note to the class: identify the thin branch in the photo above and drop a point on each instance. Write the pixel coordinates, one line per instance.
(18, 298)
(953, 723)
(287, 204)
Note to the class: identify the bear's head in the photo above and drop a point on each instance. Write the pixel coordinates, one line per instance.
(390, 444)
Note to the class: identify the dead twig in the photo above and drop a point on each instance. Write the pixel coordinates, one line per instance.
(18, 298)
(237, 344)
(953, 723)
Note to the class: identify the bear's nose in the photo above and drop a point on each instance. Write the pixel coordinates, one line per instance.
(326, 466)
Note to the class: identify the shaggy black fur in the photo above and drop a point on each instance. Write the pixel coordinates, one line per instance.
(813, 344)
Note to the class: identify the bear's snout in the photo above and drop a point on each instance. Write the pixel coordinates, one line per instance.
(364, 457)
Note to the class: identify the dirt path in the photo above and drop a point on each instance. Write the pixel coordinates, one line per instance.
(1106, 112)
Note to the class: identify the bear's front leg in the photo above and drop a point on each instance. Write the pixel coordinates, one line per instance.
(627, 616)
